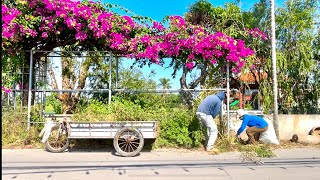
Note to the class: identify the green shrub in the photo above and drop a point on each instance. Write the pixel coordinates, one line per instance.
(95, 110)
(53, 104)
(178, 128)
(36, 114)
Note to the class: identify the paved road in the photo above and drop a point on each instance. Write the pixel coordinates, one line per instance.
(299, 163)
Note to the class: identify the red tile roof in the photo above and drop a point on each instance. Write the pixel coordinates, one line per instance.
(250, 78)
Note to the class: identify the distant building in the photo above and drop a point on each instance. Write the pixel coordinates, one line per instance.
(247, 86)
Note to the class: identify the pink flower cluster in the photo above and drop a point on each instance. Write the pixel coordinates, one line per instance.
(158, 26)
(256, 32)
(88, 22)
(9, 26)
(6, 90)
(193, 41)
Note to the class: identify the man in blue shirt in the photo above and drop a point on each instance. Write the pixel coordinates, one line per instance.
(208, 109)
(256, 125)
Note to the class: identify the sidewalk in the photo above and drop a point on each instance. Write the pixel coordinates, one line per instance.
(281, 153)
(290, 153)
(310, 152)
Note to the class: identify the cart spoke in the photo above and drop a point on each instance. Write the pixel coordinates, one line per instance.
(61, 144)
(125, 149)
(130, 147)
(122, 143)
(135, 142)
(133, 145)
(123, 146)
(56, 144)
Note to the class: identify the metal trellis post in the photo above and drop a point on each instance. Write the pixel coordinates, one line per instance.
(228, 99)
(29, 88)
(110, 77)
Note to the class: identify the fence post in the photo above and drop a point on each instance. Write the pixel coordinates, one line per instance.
(110, 78)
(29, 88)
(228, 100)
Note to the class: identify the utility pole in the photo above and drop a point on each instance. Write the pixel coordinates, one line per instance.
(274, 70)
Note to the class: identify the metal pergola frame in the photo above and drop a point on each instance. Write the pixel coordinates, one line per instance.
(110, 90)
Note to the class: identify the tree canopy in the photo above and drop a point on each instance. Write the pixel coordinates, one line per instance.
(46, 24)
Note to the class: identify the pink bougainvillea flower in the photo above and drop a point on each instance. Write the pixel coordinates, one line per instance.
(213, 61)
(158, 26)
(6, 90)
(253, 67)
(44, 35)
(190, 65)
(256, 32)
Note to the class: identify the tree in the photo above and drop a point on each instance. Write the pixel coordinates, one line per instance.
(77, 69)
(295, 35)
(315, 77)
(239, 25)
(165, 84)
(135, 87)
(45, 24)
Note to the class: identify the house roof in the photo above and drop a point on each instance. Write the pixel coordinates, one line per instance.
(249, 77)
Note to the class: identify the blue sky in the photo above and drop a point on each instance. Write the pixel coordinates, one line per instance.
(157, 10)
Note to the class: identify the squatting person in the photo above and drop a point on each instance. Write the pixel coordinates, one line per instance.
(255, 125)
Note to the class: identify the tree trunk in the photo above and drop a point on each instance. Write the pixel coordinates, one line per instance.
(187, 95)
(69, 80)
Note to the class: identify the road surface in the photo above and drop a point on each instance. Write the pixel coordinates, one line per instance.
(299, 163)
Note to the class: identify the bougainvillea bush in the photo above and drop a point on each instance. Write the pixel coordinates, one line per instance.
(46, 24)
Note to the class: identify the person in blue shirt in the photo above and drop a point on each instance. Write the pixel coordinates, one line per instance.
(208, 109)
(255, 125)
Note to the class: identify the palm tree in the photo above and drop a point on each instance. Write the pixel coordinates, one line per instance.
(165, 84)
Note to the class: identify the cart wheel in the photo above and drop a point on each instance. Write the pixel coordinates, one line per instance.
(128, 142)
(58, 141)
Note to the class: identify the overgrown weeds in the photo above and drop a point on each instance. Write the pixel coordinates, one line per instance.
(15, 133)
(179, 128)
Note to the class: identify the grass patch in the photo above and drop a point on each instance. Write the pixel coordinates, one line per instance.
(225, 144)
(261, 150)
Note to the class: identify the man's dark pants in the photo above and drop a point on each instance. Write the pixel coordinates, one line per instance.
(254, 132)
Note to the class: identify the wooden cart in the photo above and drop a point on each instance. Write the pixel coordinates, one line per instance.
(128, 136)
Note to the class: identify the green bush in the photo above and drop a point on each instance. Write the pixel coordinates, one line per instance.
(179, 128)
(93, 111)
(35, 114)
(118, 110)
(53, 104)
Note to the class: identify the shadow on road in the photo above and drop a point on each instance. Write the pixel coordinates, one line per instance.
(102, 145)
